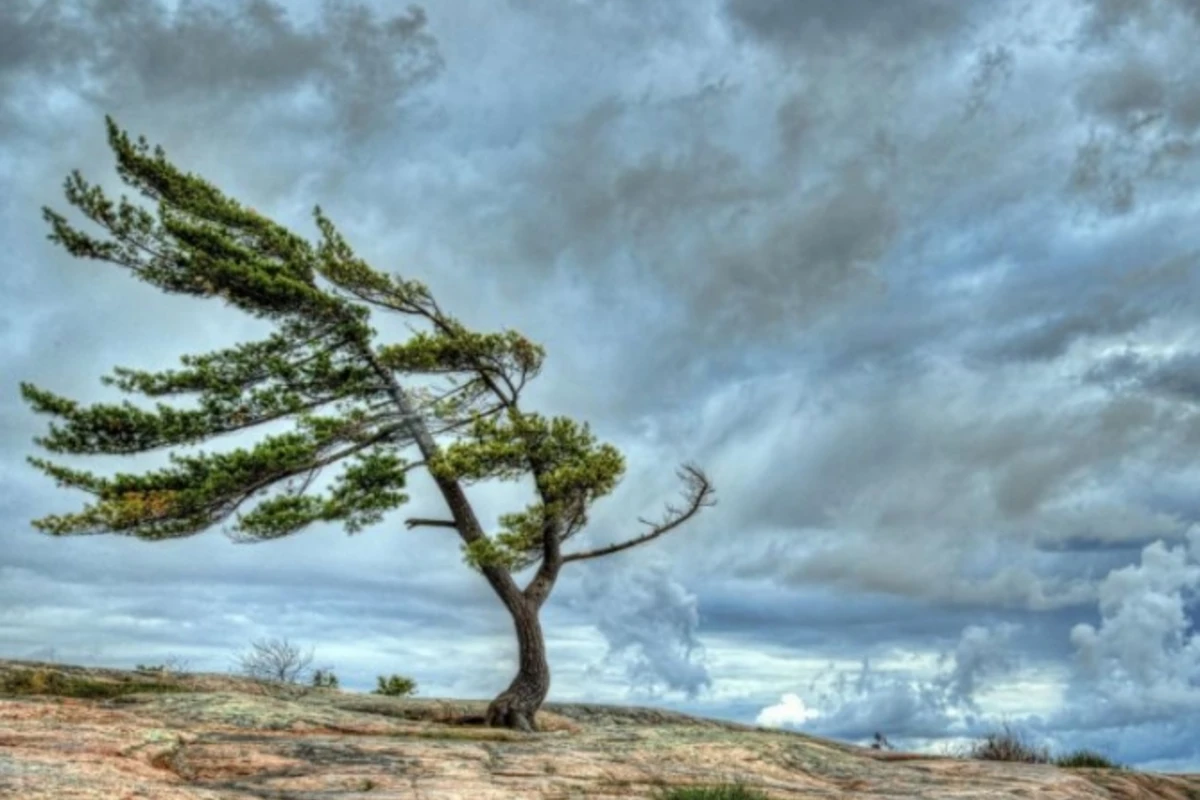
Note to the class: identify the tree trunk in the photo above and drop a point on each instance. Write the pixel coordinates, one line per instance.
(516, 706)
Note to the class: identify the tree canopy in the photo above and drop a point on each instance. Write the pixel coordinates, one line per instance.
(321, 369)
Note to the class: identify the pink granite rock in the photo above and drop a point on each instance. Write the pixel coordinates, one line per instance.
(215, 737)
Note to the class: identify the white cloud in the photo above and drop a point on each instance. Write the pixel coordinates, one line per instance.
(908, 697)
(790, 711)
(1144, 657)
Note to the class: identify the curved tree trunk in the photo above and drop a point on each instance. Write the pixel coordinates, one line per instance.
(516, 706)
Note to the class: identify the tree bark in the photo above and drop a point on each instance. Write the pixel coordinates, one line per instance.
(517, 705)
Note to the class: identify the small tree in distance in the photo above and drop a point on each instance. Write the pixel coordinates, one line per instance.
(275, 661)
(323, 370)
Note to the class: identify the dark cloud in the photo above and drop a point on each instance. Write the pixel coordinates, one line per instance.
(1127, 95)
(784, 22)
(1176, 376)
(1141, 106)
(1049, 338)
(354, 67)
(741, 250)
(1108, 18)
(994, 488)
(1101, 298)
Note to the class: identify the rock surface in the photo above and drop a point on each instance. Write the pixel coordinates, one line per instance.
(165, 737)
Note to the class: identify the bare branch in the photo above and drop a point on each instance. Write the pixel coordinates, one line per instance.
(428, 420)
(699, 495)
(308, 479)
(462, 423)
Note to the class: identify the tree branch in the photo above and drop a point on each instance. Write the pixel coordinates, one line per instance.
(219, 514)
(467, 523)
(553, 532)
(413, 522)
(699, 494)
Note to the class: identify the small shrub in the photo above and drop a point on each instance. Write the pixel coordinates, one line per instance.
(1086, 759)
(1008, 745)
(726, 792)
(324, 679)
(396, 686)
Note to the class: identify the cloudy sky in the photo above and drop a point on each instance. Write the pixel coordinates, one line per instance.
(916, 282)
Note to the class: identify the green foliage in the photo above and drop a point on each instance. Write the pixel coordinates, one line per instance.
(568, 459)
(324, 679)
(571, 472)
(461, 350)
(200, 242)
(395, 686)
(1086, 759)
(725, 792)
(205, 488)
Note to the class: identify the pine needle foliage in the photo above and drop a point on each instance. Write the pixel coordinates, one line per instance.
(321, 370)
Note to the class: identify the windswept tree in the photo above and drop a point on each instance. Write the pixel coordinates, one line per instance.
(449, 393)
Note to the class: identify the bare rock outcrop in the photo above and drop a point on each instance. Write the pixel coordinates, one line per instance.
(71, 732)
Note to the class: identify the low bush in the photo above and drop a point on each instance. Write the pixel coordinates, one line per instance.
(1007, 745)
(396, 686)
(1086, 759)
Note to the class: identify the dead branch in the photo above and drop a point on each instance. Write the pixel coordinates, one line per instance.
(699, 494)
